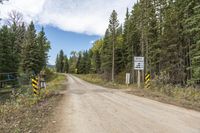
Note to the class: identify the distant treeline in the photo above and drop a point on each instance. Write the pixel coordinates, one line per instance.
(165, 32)
(21, 48)
(62, 65)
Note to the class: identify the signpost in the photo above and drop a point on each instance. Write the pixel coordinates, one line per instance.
(138, 65)
(35, 86)
(128, 75)
(147, 81)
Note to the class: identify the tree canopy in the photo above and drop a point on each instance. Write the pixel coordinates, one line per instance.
(166, 33)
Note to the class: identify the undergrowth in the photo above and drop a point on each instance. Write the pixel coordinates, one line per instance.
(35, 108)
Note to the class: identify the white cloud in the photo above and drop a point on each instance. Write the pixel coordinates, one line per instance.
(82, 16)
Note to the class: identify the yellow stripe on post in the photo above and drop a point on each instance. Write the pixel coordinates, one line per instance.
(35, 86)
(34, 81)
(147, 81)
(35, 91)
(147, 76)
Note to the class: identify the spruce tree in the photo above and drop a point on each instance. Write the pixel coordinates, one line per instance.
(97, 62)
(113, 25)
(126, 34)
(6, 47)
(66, 65)
(106, 56)
(61, 61)
(95, 55)
(193, 30)
(78, 65)
(44, 46)
(30, 54)
(57, 63)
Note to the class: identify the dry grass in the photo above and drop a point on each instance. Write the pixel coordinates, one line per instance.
(185, 97)
(97, 79)
(24, 112)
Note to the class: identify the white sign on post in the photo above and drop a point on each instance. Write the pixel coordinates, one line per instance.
(139, 63)
(128, 75)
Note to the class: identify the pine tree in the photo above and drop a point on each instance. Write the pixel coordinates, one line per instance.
(61, 61)
(30, 58)
(66, 65)
(78, 65)
(17, 39)
(171, 46)
(44, 47)
(193, 31)
(119, 54)
(126, 34)
(97, 62)
(95, 54)
(133, 39)
(106, 56)
(83, 63)
(57, 63)
(113, 25)
(6, 56)
(87, 60)
(150, 36)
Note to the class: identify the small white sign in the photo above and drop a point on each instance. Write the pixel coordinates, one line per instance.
(138, 59)
(139, 63)
(128, 75)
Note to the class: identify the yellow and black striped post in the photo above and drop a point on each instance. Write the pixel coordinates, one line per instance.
(35, 86)
(147, 81)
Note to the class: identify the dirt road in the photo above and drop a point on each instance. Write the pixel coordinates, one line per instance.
(93, 109)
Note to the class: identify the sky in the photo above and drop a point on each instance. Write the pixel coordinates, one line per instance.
(69, 24)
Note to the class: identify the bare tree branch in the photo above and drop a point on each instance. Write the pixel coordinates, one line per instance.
(15, 18)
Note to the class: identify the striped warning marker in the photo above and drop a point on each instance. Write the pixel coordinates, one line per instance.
(147, 81)
(35, 86)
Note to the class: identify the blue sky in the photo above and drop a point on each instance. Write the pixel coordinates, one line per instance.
(69, 24)
(68, 41)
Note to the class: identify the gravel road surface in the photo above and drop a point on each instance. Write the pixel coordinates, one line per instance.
(89, 108)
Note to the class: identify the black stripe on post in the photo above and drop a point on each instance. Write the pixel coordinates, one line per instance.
(35, 86)
(147, 81)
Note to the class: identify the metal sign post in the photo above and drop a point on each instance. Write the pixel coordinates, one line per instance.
(147, 81)
(35, 86)
(138, 79)
(128, 75)
(138, 65)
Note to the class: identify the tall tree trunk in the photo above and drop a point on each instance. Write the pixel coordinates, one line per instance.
(142, 45)
(113, 60)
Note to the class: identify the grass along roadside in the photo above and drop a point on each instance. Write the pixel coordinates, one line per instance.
(97, 79)
(27, 113)
(176, 95)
